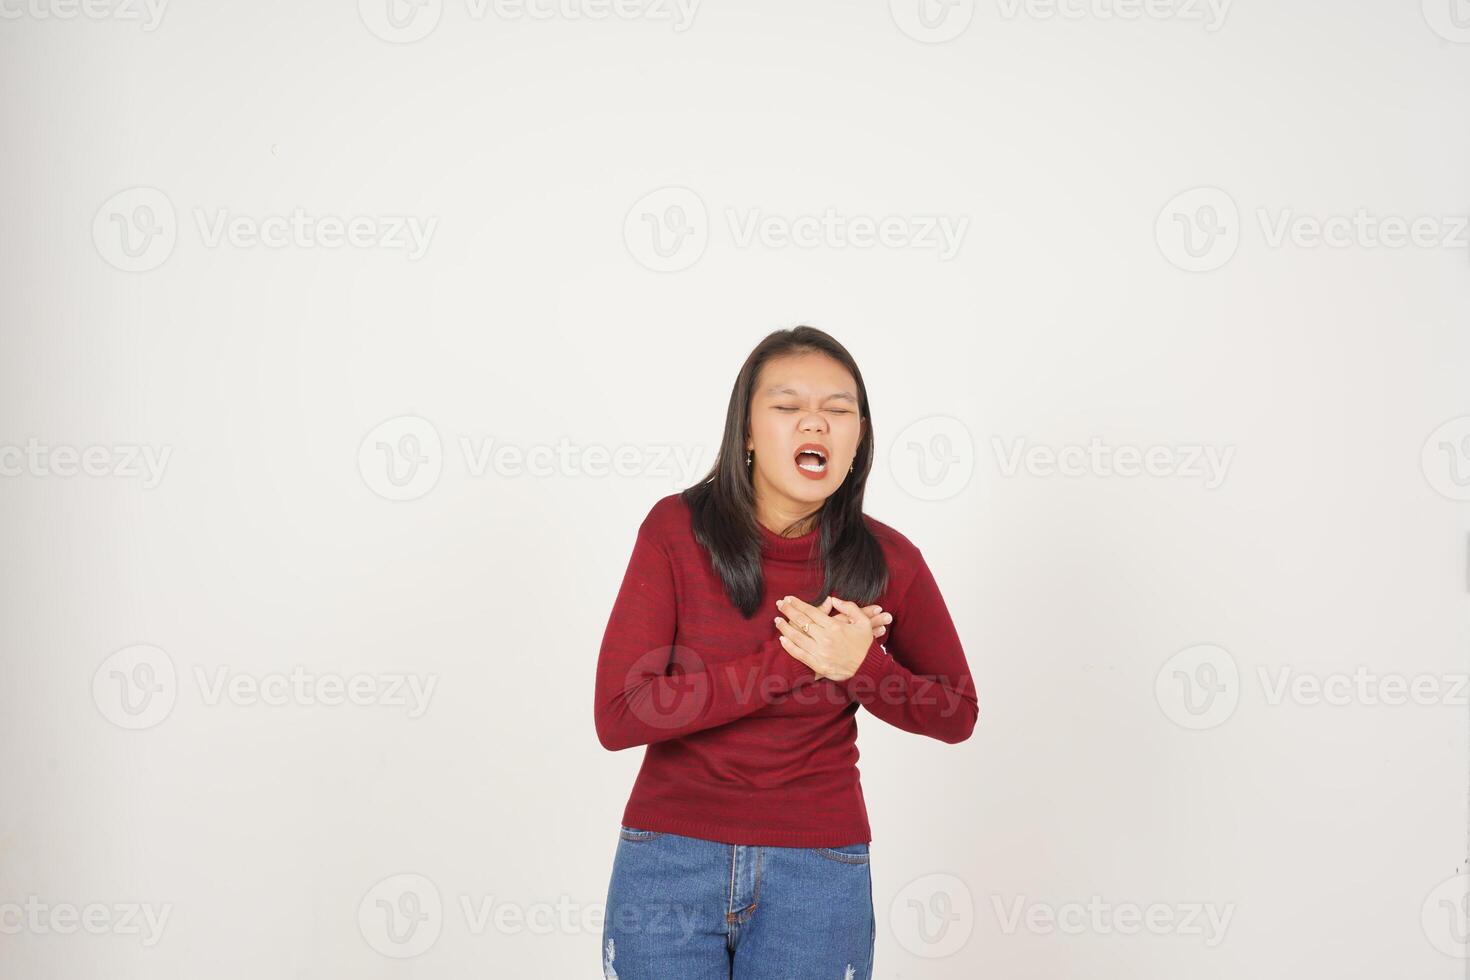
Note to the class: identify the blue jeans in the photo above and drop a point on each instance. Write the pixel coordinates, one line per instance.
(685, 908)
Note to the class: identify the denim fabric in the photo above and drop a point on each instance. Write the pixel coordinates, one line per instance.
(684, 908)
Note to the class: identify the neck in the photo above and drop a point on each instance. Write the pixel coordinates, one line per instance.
(778, 515)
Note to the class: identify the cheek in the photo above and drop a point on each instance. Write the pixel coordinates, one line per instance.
(769, 429)
(847, 436)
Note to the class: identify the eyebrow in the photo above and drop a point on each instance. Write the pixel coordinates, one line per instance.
(782, 390)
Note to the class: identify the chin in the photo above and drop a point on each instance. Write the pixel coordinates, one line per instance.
(808, 491)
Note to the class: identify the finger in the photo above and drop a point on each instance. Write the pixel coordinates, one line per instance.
(799, 654)
(853, 610)
(802, 612)
(880, 631)
(795, 634)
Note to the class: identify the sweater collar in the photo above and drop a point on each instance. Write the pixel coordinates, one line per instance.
(795, 549)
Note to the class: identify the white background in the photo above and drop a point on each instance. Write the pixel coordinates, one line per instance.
(542, 314)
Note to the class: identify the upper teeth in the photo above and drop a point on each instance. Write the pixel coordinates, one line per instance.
(822, 459)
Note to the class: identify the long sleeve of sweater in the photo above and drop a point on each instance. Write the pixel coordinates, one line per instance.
(650, 690)
(922, 683)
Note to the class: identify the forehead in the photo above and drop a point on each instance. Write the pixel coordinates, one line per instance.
(804, 374)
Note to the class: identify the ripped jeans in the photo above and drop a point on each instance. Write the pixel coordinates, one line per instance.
(685, 908)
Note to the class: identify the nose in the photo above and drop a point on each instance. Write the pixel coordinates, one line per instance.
(813, 422)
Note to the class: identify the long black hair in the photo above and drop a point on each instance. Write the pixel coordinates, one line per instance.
(723, 502)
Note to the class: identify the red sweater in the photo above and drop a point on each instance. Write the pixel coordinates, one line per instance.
(746, 745)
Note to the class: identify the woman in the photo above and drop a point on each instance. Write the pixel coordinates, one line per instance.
(749, 627)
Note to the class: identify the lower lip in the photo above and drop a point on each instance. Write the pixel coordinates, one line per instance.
(820, 475)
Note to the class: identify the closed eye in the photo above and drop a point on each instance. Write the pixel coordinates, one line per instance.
(835, 411)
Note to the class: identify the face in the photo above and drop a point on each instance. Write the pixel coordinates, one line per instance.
(802, 400)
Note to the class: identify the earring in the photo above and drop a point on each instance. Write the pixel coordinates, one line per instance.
(747, 457)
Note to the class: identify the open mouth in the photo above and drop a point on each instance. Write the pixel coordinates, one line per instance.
(811, 459)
